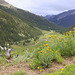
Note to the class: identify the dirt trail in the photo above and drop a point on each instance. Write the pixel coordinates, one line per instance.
(25, 67)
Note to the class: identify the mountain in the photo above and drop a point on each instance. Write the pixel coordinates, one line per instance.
(17, 24)
(13, 29)
(30, 18)
(65, 19)
(48, 16)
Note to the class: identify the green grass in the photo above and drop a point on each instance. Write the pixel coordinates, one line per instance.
(74, 59)
(19, 73)
(2, 60)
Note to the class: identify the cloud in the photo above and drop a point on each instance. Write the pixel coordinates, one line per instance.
(44, 7)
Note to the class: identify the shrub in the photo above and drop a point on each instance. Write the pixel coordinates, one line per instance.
(43, 57)
(54, 47)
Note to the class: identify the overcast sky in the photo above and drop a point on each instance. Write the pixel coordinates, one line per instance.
(44, 7)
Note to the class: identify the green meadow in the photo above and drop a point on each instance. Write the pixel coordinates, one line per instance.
(40, 54)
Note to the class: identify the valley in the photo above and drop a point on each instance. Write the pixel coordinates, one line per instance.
(35, 45)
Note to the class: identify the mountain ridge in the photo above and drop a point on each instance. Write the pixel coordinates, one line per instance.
(21, 25)
(65, 19)
(13, 29)
(30, 18)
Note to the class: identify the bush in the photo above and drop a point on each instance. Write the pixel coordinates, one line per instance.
(43, 57)
(55, 47)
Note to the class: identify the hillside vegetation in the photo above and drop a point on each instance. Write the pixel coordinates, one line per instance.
(65, 19)
(20, 25)
(31, 19)
(13, 29)
(53, 47)
(67, 29)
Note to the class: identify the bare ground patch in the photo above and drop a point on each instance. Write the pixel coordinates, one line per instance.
(25, 67)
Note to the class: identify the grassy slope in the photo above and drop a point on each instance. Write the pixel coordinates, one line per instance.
(69, 70)
(68, 29)
(11, 27)
(31, 19)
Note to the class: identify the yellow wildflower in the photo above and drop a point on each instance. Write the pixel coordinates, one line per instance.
(46, 41)
(45, 52)
(73, 31)
(70, 31)
(56, 51)
(30, 64)
(56, 39)
(49, 41)
(49, 36)
(37, 67)
(47, 49)
(60, 71)
(40, 70)
(62, 38)
(65, 41)
(33, 63)
(41, 51)
(66, 65)
(57, 33)
(73, 28)
(52, 40)
(66, 32)
(46, 44)
(38, 51)
(65, 36)
(41, 46)
(70, 68)
(50, 50)
(55, 36)
(69, 36)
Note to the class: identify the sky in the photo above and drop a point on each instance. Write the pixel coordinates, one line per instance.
(44, 7)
